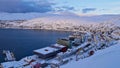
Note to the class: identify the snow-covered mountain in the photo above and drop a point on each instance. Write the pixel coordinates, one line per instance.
(22, 16)
(68, 21)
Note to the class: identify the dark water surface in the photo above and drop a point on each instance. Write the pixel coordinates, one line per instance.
(23, 42)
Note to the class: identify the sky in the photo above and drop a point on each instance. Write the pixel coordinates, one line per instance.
(51, 6)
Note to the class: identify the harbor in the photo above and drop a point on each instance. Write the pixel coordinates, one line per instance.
(76, 46)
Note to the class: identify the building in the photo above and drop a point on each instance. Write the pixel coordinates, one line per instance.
(50, 52)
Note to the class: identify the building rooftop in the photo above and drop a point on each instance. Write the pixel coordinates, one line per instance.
(45, 50)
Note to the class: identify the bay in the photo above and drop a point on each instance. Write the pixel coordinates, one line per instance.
(22, 41)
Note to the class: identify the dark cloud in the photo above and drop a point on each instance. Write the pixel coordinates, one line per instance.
(86, 10)
(20, 6)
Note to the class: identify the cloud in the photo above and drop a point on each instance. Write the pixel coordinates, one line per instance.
(64, 8)
(23, 6)
(86, 10)
(68, 8)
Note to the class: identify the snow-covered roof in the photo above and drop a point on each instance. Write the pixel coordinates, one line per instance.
(82, 45)
(8, 64)
(45, 50)
(58, 45)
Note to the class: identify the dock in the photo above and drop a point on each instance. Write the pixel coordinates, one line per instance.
(9, 55)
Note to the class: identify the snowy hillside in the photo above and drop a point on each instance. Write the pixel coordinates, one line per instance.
(22, 16)
(56, 21)
(68, 22)
(106, 58)
(53, 22)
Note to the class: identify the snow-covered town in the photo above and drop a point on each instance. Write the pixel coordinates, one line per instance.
(74, 48)
(59, 34)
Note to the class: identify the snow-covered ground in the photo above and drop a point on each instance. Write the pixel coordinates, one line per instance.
(106, 58)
